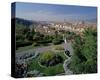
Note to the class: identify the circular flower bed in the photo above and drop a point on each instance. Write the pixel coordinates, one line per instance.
(50, 58)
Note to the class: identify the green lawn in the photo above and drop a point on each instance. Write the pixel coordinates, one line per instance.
(20, 49)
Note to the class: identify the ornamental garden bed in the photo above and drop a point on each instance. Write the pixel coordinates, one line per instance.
(49, 63)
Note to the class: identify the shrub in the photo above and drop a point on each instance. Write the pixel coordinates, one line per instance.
(57, 41)
(44, 41)
(58, 47)
(35, 44)
(84, 59)
(22, 43)
(50, 58)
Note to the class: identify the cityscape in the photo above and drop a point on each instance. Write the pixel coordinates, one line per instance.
(55, 40)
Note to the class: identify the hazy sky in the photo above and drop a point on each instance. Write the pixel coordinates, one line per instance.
(49, 12)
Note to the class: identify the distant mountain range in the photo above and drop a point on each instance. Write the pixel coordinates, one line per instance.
(30, 22)
(24, 21)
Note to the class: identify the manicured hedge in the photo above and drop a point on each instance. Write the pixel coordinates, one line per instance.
(57, 41)
(44, 41)
(22, 43)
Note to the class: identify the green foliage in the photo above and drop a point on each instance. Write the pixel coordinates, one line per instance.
(20, 49)
(57, 41)
(47, 71)
(90, 66)
(84, 59)
(70, 35)
(58, 47)
(35, 44)
(22, 43)
(90, 45)
(49, 58)
(24, 36)
(29, 36)
(19, 37)
(54, 70)
(48, 38)
(38, 37)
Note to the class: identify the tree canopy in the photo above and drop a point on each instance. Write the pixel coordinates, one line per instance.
(84, 59)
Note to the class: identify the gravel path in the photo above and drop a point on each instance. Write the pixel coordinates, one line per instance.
(68, 60)
(65, 65)
(41, 49)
